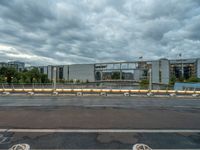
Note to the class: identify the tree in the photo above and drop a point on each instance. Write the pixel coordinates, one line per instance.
(144, 84)
(172, 80)
(27, 76)
(115, 75)
(2, 79)
(34, 75)
(44, 78)
(8, 73)
(193, 79)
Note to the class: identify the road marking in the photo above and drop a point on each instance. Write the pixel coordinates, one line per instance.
(114, 149)
(105, 149)
(101, 130)
(109, 149)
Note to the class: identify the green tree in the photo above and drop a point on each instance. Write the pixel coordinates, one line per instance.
(34, 75)
(115, 75)
(193, 79)
(2, 79)
(44, 78)
(172, 80)
(144, 84)
(8, 73)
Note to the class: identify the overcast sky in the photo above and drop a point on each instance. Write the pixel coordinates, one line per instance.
(41, 32)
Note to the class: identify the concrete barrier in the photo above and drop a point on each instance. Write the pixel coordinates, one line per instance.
(79, 94)
(55, 93)
(150, 94)
(107, 91)
(30, 93)
(6, 93)
(103, 94)
(172, 94)
(126, 94)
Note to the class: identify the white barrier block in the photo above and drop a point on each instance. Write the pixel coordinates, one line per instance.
(149, 94)
(6, 93)
(79, 94)
(103, 94)
(195, 95)
(55, 93)
(30, 93)
(126, 94)
(172, 95)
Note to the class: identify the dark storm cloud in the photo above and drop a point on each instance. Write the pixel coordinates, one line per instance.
(87, 31)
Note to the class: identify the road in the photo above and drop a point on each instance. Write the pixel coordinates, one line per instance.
(100, 101)
(116, 122)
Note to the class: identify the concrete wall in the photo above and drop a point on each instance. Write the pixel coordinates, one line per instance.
(198, 68)
(49, 69)
(164, 68)
(160, 71)
(138, 74)
(65, 72)
(82, 72)
(45, 70)
(155, 72)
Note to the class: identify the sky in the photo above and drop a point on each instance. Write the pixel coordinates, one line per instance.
(47, 32)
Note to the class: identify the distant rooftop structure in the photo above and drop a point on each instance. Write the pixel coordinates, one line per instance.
(20, 65)
(184, 61)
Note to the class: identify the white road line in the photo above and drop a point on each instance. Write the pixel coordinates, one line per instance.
(108, 149)
(101, 130)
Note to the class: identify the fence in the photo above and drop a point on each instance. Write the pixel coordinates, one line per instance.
(129, 86)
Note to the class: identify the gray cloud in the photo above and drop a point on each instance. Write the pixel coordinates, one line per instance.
(72, 31)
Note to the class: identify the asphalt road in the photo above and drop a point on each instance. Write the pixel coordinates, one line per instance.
(54, 113)
(100, 101)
